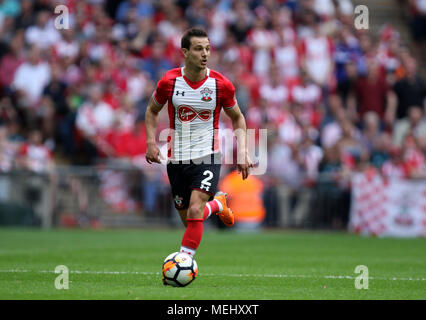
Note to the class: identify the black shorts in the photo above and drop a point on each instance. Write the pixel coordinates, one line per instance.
(193, 175)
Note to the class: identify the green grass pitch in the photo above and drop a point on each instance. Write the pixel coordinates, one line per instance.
(125, 264)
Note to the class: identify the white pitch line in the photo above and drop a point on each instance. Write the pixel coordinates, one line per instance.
(217, 275)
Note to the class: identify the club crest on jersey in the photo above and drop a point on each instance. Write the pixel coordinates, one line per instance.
(179, 201)
(206, 92)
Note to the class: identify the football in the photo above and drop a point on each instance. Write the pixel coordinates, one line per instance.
(179, 269)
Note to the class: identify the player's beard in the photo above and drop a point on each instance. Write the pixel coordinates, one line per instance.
(200, 66)
(197, 65)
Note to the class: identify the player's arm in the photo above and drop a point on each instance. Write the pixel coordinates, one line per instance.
(240, 131)
(151, 123)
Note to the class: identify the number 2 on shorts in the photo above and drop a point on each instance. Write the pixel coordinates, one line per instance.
(205, 183)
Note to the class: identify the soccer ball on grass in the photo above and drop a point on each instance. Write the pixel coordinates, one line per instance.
(179, 269)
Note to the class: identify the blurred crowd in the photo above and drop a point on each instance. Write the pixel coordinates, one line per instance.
(334, 99)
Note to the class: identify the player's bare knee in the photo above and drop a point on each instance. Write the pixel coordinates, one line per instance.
(195, 211)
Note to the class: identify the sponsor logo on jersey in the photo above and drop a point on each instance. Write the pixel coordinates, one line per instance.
(205, 93)
(187, 114)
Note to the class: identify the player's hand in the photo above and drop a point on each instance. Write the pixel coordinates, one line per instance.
(244, 168)
(153, 153)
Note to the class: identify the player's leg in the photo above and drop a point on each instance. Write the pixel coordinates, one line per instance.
(216, 206)
(197, 204)
(183, 215)
(181, 192)
(206, 179)
(211, 207)
(195, 218)
(199, 210)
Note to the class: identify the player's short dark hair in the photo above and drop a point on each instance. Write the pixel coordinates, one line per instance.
(193, 32)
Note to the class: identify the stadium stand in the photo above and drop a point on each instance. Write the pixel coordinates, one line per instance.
(335, 100)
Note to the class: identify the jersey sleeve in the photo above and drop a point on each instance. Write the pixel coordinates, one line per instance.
(228, 98)
(161, 92)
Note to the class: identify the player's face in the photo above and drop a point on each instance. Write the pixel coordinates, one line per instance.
(198, 54)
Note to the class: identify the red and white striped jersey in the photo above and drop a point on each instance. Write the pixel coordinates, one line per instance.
(37, 156)
(194, 109)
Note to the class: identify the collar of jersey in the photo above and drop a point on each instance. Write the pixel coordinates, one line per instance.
(195, 84)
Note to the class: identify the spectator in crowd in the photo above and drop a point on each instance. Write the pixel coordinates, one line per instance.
(352, 152)
(11, 61)
(414, 124)
(196, 13)
(34, 155)
(414, 159)
(328, 93)
(395, 166)
(418, 24)
(317, 51)
(8, 150)
(309, 95)
(26, 17)
(261, 116)
(381, 150)
(94, 120)
(43, 33)
(331, 163)
(262, 40)
(346, 89)
(410, 90)
(142, 35)
(371, 130)
(407, 161)
(289, 178)
(290, 128)
(285, 53)
(141, 8)
(156, 64)
(331, 131)
(30, 78)
(373, 94)
(347, 53)
(54, 102)
(274, 92)
(241, 20)
(67, 46)
(311, 156)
